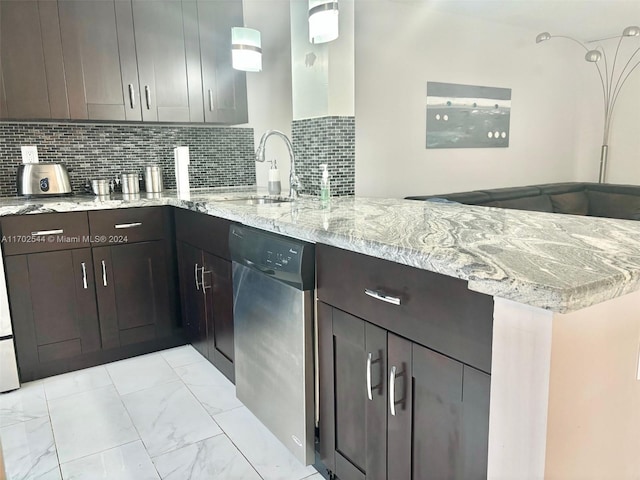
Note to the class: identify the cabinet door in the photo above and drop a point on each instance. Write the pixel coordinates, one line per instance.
(218, 288)
(191, 293)
(100, 59)
(225, 89)
(399, 448)
(32, 78)
(353, 416)
(160, 45)
(441, 425)
(133, 293)
(53, 307)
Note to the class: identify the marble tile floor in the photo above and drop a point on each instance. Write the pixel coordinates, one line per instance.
(166, 415)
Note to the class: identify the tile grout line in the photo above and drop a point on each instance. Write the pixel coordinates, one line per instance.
(53, 433)
(238, 448)
(179, 379)
(212, 417)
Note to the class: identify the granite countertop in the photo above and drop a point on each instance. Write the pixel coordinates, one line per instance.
(557, 262)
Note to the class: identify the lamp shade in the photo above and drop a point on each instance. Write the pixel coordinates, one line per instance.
(323, 21)
(593, 56)
(542, 37)
(632, 31)
(246, 49)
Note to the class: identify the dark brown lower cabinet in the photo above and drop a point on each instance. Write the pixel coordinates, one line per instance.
(194, 320)
(76, 304)
(133, 293)
(393, 409)
(53, 305)
(206, 289)
(217, 286)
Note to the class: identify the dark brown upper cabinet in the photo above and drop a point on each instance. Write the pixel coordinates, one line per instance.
(100, 60)
(225, 89)
(31, 71)
(121, 60)
(162, 60)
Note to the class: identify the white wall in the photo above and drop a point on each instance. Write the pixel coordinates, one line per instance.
(624, 144)
(323, 74)
(624, 141)
(269, 91)
(402, 45)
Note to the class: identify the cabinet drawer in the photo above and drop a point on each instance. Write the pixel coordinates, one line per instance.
(211, 234)
(44, 232)
(431, 309)
(127, 225)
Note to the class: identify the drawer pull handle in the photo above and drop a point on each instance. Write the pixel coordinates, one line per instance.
(128, 225)
(195, 276)
(42, 233)
(382, 297)
(104, 274)
(369, 392)
(147, 96)
(210, 100)
(392, 391)
(84, 275)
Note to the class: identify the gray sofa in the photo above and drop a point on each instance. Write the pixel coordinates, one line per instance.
(575, 198)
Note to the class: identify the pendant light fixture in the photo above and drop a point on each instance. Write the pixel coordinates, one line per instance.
(323, 20)
(246, 49)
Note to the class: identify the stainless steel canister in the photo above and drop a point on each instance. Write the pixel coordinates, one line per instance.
(100, 186)
(152, 179)
(130, 183)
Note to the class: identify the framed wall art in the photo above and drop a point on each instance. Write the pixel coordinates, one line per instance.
(467, 116)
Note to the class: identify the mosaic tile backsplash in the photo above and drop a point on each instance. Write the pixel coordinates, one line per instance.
(330, 140)
(219, 156)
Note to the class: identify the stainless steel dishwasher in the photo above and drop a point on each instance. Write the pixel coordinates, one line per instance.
(273, 282)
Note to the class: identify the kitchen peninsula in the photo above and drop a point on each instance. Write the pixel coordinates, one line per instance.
(566, 303)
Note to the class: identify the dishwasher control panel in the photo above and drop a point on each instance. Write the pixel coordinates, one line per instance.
(287, 259)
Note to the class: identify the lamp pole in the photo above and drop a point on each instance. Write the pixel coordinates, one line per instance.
(610, 80)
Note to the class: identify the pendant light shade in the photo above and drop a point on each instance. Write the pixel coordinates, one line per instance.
(323, 21)
(246, 49)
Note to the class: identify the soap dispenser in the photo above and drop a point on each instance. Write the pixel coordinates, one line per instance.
(274, 186)
(325, 186)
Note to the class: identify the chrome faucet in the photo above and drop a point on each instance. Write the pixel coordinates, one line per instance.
(294, 181)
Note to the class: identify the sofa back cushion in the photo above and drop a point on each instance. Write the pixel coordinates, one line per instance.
(574, 203)
(539, 203)
(614, 205)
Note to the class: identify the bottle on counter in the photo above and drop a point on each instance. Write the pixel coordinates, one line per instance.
(325, 185)
(274, 185)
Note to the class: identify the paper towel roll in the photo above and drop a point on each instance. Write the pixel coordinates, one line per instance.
(181, 155)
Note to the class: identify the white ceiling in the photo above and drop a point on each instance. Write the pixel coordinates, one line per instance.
(583, 19)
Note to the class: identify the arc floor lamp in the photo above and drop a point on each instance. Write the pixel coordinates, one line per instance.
(611, 78)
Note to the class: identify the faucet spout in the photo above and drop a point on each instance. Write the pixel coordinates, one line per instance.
(294, 181)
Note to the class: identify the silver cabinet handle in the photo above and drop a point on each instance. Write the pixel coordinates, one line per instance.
(132, 96)
(128, 225)
(104, 274)
(210, 100)
(147, 96)
(392, 391)
(195, 276)
(369, 392)
(202, 272)
(84, 275)
(42, 233)
(382, 296)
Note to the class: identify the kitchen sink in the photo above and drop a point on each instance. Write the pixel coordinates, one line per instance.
(257, 200)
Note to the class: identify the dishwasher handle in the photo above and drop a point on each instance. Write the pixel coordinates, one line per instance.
(266, 271)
